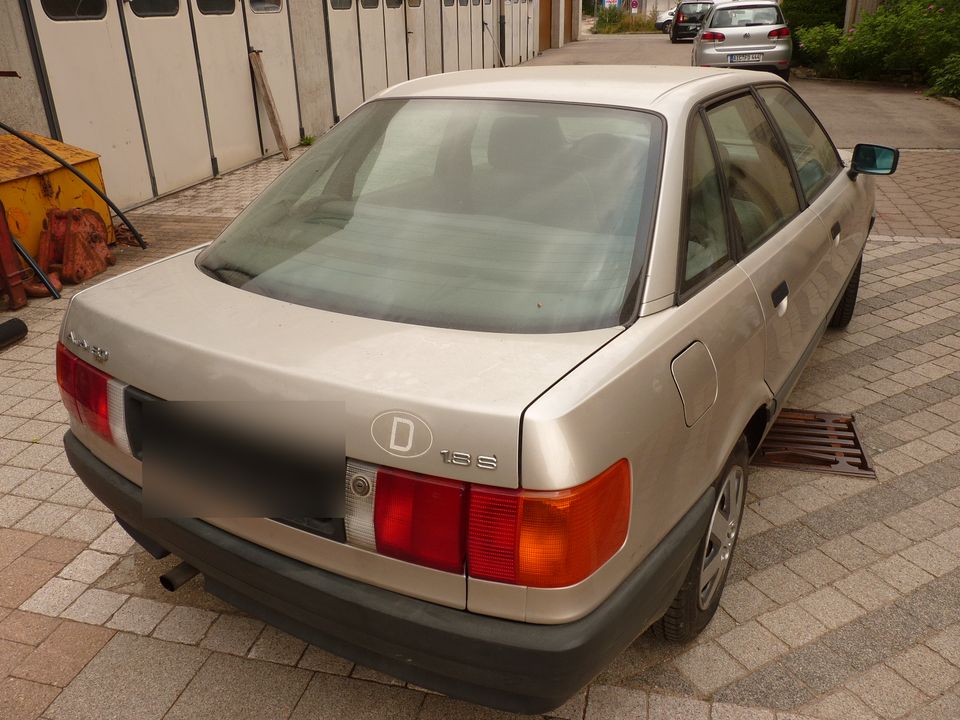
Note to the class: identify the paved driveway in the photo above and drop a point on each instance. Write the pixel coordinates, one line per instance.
(843, 597)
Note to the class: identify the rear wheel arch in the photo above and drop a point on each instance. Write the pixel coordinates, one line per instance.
(755, 429)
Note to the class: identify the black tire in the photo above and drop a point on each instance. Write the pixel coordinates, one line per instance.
(697, 601)
(844, 312)
(785, 74)
(666, 27)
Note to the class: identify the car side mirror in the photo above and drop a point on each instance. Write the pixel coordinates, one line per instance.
(874, 160)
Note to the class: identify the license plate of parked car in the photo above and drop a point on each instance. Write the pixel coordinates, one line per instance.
(745, 57)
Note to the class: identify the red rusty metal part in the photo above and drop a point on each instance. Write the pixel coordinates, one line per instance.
(74, 244)
(10, 270)
(815, 441)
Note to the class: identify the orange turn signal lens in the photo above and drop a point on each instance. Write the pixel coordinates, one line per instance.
(548, 539)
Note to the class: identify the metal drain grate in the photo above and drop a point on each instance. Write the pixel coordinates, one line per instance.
(816, 442)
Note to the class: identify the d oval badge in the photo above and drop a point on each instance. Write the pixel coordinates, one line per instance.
(401, 434)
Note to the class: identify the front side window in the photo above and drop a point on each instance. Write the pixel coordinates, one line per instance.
(266, 6)
(813, 153)
(489, 215)
(155, 8)
(747, 16)
(705, 221)
(74, 9)
(759, 183)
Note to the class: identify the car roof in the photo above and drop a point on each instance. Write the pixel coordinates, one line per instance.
(749, 3)
(644, 87)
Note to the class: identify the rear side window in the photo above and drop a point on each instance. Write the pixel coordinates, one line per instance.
(705, 224)
(747, 16)
(813, 152)
(756, 169)
(74, 9)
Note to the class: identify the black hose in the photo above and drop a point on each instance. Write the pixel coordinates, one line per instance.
(80, 175)
(36, 268)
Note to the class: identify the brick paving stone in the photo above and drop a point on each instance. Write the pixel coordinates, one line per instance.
(831, 607)
(900, 573)
(816, 568)
(932, 558)
(13, 509)
(744, 601)
(946, 706)
(86, 525)
(236, 634)
(666, 707)
(752, 644)
(22, 577)
(14, 543)
(56, 550)
(725, 711)
(925, 669)
(841, 705)
(818, 667)
(46, 518)
(231, 687)
(314, 658)
(27, 628)
(771, 687)
(54, 597)
(947, 643)
(24, 700)
(12, 654)
(131, 677)
(329, 697)
(277, 646)
(608, 702)
(881, 538)
(88, 566)
(792, 624)
(362, 672)
(849, 552)
(889, 695)
(113, 540)
(780, 584)
(709, 667)
(94, 606)
(139, 615)
(58, 659)
(185, 625)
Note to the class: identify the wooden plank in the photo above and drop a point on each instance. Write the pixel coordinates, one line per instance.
(260, 76)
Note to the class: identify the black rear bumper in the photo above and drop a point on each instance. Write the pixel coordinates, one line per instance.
(510, 665)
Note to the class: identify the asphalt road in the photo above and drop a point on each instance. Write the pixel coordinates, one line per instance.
(852, 112)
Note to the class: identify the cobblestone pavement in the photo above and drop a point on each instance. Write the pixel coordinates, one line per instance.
(842, 603)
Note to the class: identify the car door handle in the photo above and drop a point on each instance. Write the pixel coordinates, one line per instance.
(835, 233)
(779, 297)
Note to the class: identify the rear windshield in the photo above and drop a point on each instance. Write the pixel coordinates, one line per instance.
(747, 16)
(694, 11)
(500, 216)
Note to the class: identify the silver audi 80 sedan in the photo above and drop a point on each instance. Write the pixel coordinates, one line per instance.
(468, 395)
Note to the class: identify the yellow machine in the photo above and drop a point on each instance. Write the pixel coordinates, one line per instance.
(32, 183)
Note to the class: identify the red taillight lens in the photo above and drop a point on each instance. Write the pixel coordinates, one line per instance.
(421, 519)
(779, 33)
(66, 378)
(679, 18)
(84, 392)
(719, 37)
(548, 539)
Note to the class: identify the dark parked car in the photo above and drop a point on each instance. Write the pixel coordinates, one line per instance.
(687, 20)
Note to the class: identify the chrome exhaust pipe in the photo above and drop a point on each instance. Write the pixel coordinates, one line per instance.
(173, 579)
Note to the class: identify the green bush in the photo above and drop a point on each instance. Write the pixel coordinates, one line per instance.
(621, 20)
(946, 78)
(812, 47)
(811, 13)
(904, 39)
(608, 20)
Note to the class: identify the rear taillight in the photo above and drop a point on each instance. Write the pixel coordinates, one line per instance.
(520, 537)
(420, 519)
(92, 397)
(548, 539)
(719, 37)
(779, 33)
(679, 17)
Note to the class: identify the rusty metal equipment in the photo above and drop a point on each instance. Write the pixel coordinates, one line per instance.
(74, 245)
(10, 281)
(817, 442)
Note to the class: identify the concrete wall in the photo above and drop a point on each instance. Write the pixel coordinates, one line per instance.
(21, 103)
(313, 75)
